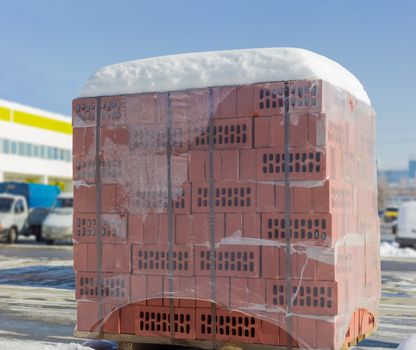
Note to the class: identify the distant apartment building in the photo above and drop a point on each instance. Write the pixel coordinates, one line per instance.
(35, 145)
(412, 168)
(393, 176)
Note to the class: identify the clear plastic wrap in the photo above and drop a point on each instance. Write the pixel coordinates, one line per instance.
(227, 215)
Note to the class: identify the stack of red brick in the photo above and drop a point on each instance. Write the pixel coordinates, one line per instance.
(332, 198)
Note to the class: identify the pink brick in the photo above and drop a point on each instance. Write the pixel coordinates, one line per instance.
(245, 100)
(247, 164)
(230, 165)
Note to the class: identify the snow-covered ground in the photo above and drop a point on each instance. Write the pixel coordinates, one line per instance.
(34, 345)
(392, 250)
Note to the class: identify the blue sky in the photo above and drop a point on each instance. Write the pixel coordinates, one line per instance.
(49, 48)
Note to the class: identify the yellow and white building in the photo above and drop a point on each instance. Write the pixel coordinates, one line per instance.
(35, 145)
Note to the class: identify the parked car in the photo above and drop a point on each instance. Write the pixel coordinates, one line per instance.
(58, 223)
(18, 201)
(406, 227)
(13, 214)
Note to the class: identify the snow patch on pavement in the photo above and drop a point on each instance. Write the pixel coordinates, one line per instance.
(392, 250)
(33, 345)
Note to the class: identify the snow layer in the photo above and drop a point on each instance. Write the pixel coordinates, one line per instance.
(219, 68)
(392, 250)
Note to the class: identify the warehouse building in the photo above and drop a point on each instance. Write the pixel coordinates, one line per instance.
(35, 145)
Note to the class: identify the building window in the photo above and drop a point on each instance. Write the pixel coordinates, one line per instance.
(31, 150)
(6, 146)
(36, 151)
(14, 147)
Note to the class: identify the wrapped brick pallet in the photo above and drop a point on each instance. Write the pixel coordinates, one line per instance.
(226, 198)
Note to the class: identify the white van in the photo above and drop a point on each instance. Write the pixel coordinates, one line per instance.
(406, 227)
(58, 223)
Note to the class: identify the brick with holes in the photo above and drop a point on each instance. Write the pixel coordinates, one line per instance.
(84, 112)
(309, 229)
(229, 197)
(309, 297)
(231, 326)
(269, 99)
(153, 259)
(155, 321)
(113, 228)
(234, 133)
(115, 288)
(304, 164)
(305, 96)
(231, 260)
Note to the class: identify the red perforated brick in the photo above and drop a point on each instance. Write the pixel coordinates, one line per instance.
(228, 197)
(113, 227)
(113, 110)
(332, 196)
(84, 169)
(114, 257)
(145, 109)
(225, 102)
(266, 197)
(85, 199)
(313, 229)
(227, 133)
(269, 99)
(84, 112)
(305, 96)
(245, 101)
(231, 261)
(148, 200)
(154, 290)
(205, 286)
(114, 288)
(304, 164)
(153, 259)
(308, 297)
(229, 326)
(155, 321)
(88, 317)
(298, 128)
(247, 164)
(182, 229)
(229, 164)
(154, 138)
(135, 228)
(201, 230)
(247, 292)
(138, 289)
(127, 320)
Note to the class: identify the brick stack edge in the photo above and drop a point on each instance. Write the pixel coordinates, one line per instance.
(334, 227)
